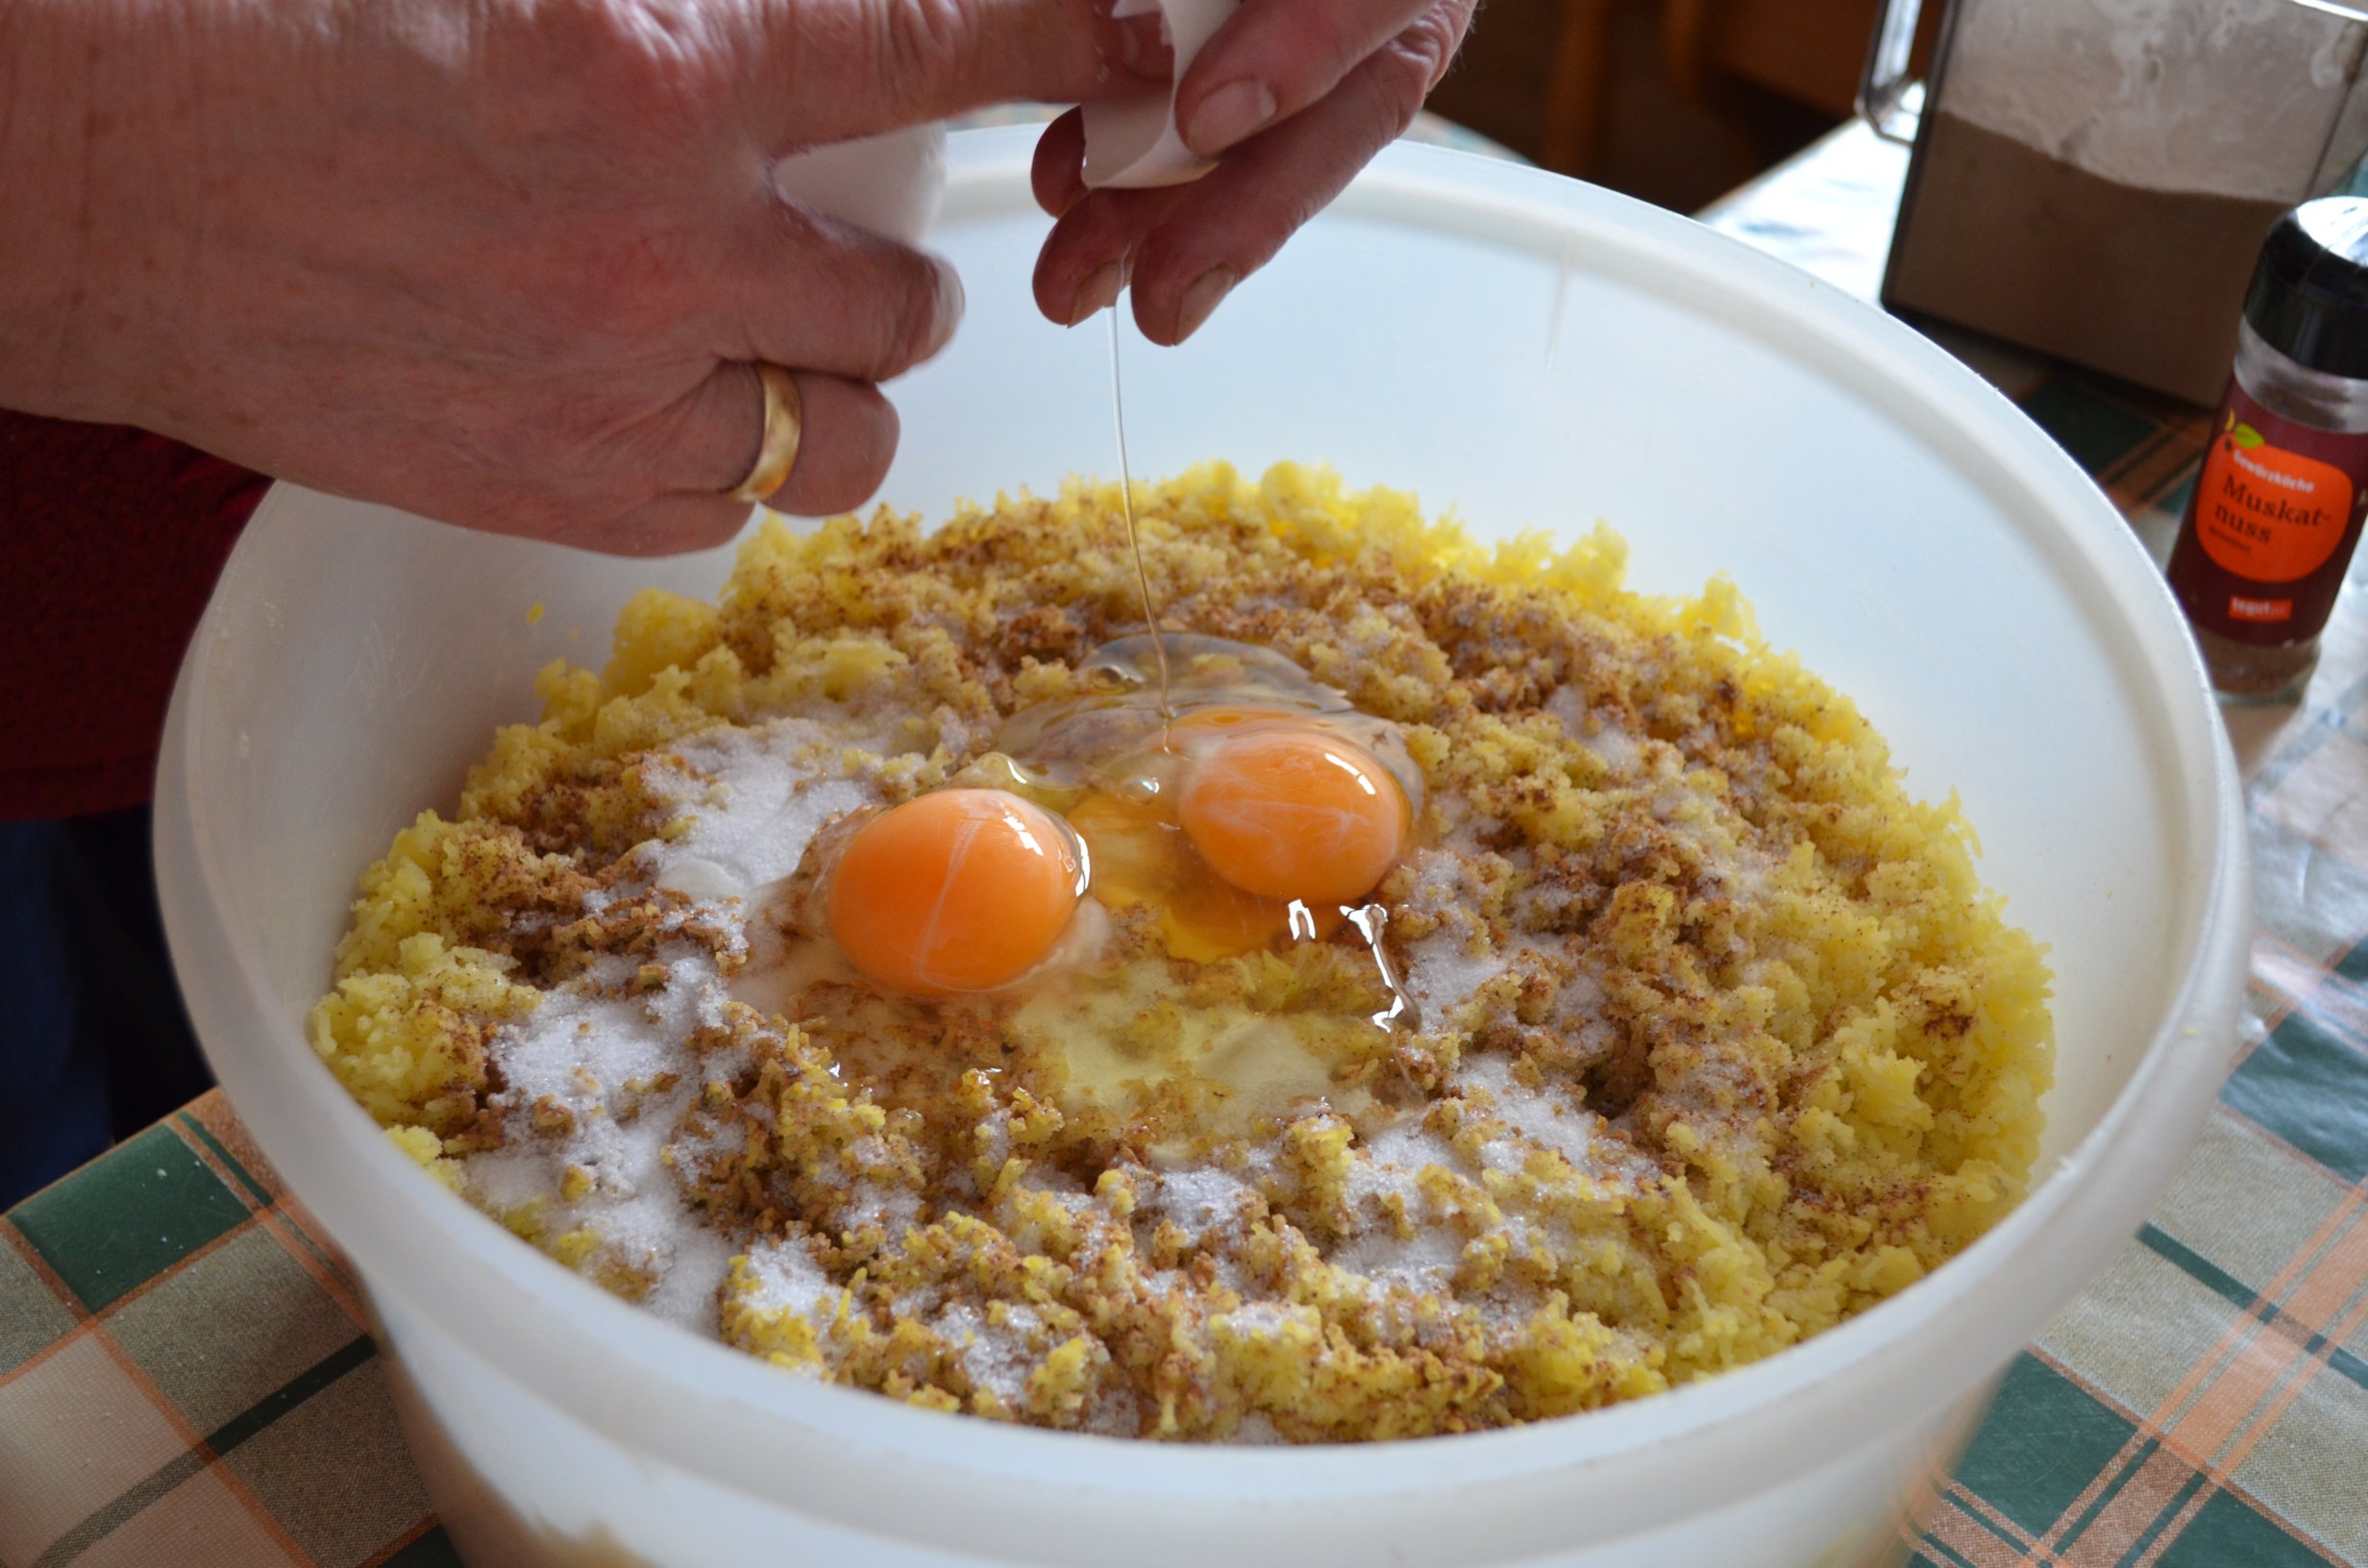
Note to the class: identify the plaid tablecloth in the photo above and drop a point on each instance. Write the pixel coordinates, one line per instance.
(185, 1381)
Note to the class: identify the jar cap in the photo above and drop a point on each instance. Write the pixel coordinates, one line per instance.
(2309, 293)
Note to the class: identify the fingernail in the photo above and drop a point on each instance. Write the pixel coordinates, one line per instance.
(1202, 298)
(1098, 292)
(1233, 112)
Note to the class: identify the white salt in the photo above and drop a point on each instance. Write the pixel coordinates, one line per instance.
(784, 1279)
(1443, 968)
(1424, 1261)
(995, 1357)
(697, 879)
(1618, 749)
(1266, 1320)
(590, 1066)
(1543, 1119)
(1199, 1198)
(767, 797)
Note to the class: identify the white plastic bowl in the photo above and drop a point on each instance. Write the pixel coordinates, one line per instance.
(1532, 353)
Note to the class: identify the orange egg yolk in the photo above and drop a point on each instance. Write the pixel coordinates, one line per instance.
(1294, 813)
(960, 890)
(1141, 859)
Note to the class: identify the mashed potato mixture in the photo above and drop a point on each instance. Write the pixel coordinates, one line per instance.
(1672, 1032)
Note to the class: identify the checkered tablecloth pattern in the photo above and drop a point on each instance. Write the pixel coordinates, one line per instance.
(185, 1381)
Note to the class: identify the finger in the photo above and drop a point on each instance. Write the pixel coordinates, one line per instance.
(1087, 260)
(1232, 223)
(830, 70)
(1057, 173)
(1269, 62)
(812, 293)
(1183, 248)
(666, 525)
(848, 437)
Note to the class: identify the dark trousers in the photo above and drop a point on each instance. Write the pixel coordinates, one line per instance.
(94, 1041)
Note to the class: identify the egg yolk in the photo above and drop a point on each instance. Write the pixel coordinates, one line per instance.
(959, 890)
(1294, 813)
(1140, 859)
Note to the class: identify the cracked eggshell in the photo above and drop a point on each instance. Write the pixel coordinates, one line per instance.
(891, 183)
(1133, 143)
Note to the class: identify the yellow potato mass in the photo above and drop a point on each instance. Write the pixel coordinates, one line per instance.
(1716, 1038)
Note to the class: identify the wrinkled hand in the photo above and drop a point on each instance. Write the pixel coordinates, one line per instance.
(502, 262)
(1293, 97)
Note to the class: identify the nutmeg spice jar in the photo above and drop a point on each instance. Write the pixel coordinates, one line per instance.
(2275, 514)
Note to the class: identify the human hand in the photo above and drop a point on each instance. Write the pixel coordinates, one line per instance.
(1292, 97)
(498, 263)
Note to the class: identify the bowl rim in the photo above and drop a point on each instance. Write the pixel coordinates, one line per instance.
(1854, 1382)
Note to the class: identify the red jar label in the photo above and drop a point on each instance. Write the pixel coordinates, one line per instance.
(2272, 522)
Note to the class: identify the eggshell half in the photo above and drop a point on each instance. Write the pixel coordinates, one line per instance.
(1133, 143)
(890, 183)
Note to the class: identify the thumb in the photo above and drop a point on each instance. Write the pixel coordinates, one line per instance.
(827, 70)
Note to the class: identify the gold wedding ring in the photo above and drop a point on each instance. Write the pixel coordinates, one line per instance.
(785, 429)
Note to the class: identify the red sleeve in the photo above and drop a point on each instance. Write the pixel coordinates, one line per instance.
(113, 540)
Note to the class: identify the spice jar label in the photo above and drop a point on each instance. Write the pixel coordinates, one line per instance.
(2276, 505)
(2269, 513)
